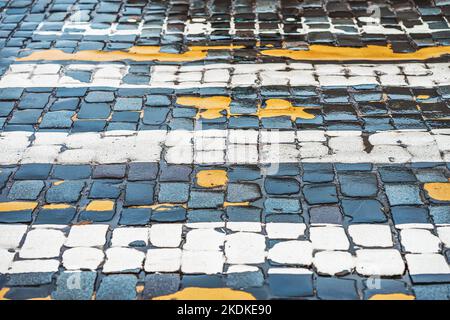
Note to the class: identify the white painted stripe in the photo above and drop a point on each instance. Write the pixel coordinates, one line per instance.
(359, 26)
(85, 29)
(225, 146)
(231, 75)
(88, 248)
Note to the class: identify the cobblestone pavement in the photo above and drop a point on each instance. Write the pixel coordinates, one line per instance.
(243, 149)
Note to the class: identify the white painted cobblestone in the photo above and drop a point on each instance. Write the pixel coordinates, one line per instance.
(87, 236)
(245, 248)
(165, 235)
(427, 263)
(82, 258)
(163, 260)
(333, 262)
(419, 241)
(6, 259)
(329, 238)
(280, 230)
(11, 235)
(371, 235)
(291, 252)
(123, 260)
(209, 262)
(382, 262)
(42, 243)
(123, 237)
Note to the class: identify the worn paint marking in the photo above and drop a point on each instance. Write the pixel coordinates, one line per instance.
(100, 205)
(281, 107)
(369, 53)
(136, 53)
(3, 293)
(212, 178)
(392, 296)
(236, 204)
(160, 206)
(438, 190)
(17, 206)
(208, 294)
(56, 206)
(219, 106)
(209, 107)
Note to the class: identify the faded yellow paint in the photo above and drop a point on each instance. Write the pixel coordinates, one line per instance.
(368, 53)
(195, 293)
(392, 296)
(42, 298)
(160, 206)
(56, 206)
(3, 293)
(57, 183)
(423, 97)
(100, 205)
(209, 107)
(438, 190)
(236, 204)
(218, 106)
(17, 206)
(139, 288)
(212, 178)
(136, 53)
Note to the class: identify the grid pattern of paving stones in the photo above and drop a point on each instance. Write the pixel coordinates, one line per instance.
(184, 148)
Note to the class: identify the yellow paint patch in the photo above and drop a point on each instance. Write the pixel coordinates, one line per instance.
(438, 190)
(423, 97)
(369, 53)
(17, 206)
(392, 296)
(212, 178)
(57, 183)
(100, 205)
(208, 294)
(236, 204)
(136, 53)
(56, 206)
(209, 107)
(281, 107)
(3, 293)
(218, 106)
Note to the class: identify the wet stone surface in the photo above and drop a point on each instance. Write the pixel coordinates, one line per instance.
(164, 231)
(242, 149)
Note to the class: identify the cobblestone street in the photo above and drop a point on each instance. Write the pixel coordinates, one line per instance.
(224, 149)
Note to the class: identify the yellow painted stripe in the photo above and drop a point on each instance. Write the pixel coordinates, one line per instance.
(211, 178)
(160, 206)
(57, 206)
(136, 53)
(236, 204)
(3, 293)
(369, 53)
(195, 293)
(438, 190)
(392, 296)
(100, 205)
(17, 206)
(195, 53)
